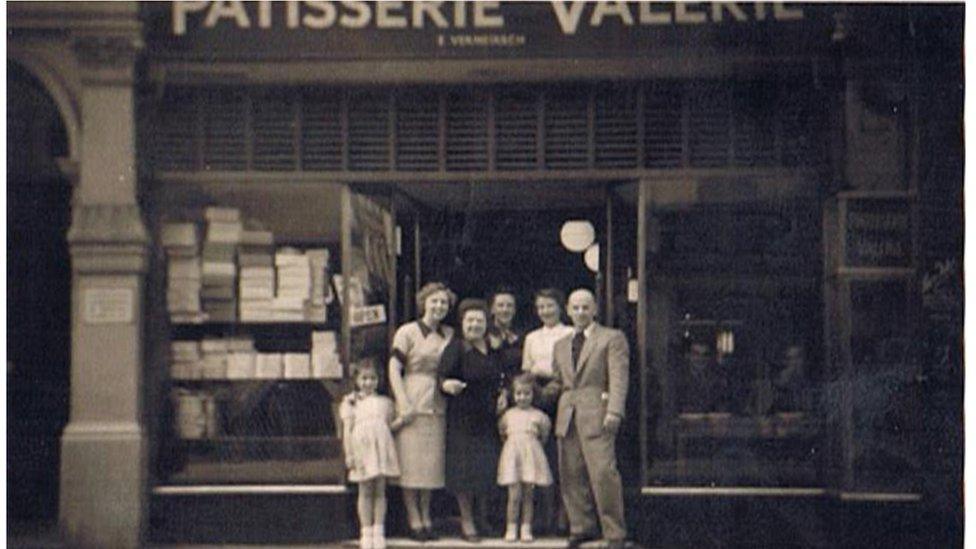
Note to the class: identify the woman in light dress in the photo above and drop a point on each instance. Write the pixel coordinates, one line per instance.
(537, 360)
(416, 353)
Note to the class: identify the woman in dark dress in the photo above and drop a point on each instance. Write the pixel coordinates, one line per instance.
(470, 376)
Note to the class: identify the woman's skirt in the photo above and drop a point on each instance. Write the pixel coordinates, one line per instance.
(420, 449)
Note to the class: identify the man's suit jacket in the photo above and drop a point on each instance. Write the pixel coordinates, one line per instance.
(596, 385)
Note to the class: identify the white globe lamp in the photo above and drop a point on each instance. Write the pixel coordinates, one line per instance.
(592, 257)
(577, 235)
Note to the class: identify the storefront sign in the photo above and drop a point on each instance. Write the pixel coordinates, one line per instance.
(229, 30)
(107, 306)
(878, 233)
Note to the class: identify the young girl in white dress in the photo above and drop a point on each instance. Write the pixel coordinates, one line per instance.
(522, 465)
(368, 420)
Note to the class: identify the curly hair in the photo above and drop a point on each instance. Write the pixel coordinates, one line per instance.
(430, 289)
(472, 304)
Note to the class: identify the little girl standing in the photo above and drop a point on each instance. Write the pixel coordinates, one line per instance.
(522, 465)
(367, 420)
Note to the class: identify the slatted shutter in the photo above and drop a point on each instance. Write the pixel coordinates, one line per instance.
(754, 128)
(709, 124)
(467, 131)
(418, 123)
(615, 128)
(802, 125)
(670, 124)
(225, 130)
(274, 130)
(321, 121)
(516, 130)
(369, 131)
(176, 131)
(566, 128)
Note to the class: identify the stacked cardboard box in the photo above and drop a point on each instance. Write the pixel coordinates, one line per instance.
(257, 276)
(269, 366)
(224, 231)
(297, 365)
(186, 360)
(218, 353)
(325, 355)
(294, 285)
(183, 273)
(318, 260)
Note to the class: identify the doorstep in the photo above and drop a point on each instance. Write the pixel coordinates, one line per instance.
(485, 543)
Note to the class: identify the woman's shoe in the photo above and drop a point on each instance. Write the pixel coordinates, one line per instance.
(470, 538)
(429, 534)
(526, 534)
(417, 534)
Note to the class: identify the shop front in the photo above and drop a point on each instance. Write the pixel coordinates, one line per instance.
(751, 202)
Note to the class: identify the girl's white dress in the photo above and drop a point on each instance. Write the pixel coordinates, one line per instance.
(371, 443)
(522, 459)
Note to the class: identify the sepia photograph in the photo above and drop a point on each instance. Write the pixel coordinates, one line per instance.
(484, 274)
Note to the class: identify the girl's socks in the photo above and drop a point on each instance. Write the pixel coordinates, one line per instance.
(379, 537)
(526, 533)
(366, 537)
(511, 532)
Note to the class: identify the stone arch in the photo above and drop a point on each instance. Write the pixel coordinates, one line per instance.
(56, 86)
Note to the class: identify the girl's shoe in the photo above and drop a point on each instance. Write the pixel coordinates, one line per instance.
(379, 537)
(526, 533)
(511, 533)
(366, 538)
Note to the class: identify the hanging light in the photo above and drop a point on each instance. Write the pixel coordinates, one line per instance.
(592, 257)
(577, 235)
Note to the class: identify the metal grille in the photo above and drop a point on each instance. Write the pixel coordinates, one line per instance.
(321, 120)
(176, 140)
(467, 131)
(369, 132)
(517, 130)
(418, 120)
(566, 124)
(664, 139)
(754, 135)
(275, 140)
(658, 125)
(615, 139)
(225, 130)
(710, 125)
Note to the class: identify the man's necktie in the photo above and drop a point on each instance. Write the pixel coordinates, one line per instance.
(578, 341)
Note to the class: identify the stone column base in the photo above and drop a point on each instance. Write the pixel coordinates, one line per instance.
(103, 497)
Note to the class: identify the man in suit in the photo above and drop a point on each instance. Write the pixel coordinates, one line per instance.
(592, 387)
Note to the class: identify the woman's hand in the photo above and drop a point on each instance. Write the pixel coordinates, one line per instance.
(453, 387)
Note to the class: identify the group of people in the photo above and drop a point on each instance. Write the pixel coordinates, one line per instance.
(472, 411)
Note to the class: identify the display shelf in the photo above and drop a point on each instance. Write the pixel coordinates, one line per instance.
(188, 329)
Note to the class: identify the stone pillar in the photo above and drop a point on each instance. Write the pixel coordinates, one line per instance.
(103, 449)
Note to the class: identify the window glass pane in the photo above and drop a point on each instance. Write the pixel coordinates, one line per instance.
(734, 307)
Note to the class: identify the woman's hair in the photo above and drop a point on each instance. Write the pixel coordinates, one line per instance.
(551, 293)
(525, 379)
(430, 289)
(472, 304)
(500, 290)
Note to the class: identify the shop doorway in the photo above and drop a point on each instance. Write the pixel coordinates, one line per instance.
(481, 237)
(38, 297)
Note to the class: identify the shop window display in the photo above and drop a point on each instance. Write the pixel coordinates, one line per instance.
(735, 391)
(254, 365)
